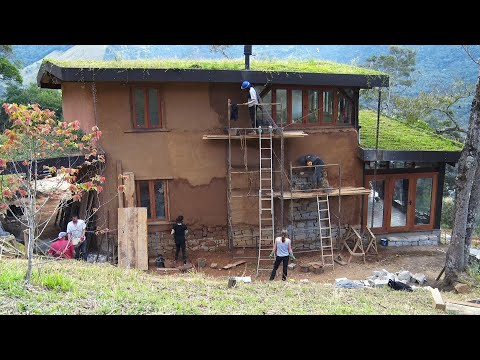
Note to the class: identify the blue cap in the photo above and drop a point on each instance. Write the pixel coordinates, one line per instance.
(245, 85)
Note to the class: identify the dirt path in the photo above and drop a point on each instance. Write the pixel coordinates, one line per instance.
(423, 259)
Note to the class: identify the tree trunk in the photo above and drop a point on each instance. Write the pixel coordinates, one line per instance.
(31, 239)
(467, 168)
(473, 207)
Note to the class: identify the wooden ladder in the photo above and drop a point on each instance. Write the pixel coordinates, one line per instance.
(265, 201)
(326, 240)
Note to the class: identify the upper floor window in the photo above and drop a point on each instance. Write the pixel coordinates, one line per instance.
(310, 106)
(146, 108)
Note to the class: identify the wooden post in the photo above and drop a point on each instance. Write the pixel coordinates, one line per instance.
(132, 238)
(120, 182)
(26, 241)
(130, 200)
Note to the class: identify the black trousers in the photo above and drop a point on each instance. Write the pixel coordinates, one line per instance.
(83, 248)
(181, 244)
(278, 260)
(252, 110)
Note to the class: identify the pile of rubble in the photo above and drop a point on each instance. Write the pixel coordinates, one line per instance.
(380, 279)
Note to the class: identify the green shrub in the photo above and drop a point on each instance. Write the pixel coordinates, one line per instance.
(448, 214)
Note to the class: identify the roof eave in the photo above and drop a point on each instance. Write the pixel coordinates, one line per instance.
(59, 74)
(409, 155)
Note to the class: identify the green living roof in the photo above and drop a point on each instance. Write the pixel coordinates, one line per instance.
(397, 135)
(287, 65)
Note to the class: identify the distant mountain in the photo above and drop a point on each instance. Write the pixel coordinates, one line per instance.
(438, 65)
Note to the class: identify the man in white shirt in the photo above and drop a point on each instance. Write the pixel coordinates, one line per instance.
(253, 101)
(76, 234)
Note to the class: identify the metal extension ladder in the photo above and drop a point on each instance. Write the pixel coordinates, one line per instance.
(326, 241)
(265, 200)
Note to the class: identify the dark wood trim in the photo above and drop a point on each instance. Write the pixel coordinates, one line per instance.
(142, 130)
(401, 155)
(401, 171)
(335, 106)
(265, 91)
(289, 106)
(439, 196)
(166, 200)
(146, 104)
(151, 194)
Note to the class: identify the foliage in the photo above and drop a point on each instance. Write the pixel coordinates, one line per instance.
(8, 70)
(220, 49)
(288, 65)
(34, 133)
(399, 64)
(448, 214)
(398, 135)
(106, 289)
(45, 98)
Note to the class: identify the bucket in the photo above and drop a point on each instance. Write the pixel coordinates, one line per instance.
(160, 262)
(384, 242)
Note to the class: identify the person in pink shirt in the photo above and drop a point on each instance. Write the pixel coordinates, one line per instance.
(62, 247)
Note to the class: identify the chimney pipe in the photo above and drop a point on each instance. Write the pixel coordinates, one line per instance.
(247, 51)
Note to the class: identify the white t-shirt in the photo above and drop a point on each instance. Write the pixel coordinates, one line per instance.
(282, 247)
(253, 96)
(76, 229)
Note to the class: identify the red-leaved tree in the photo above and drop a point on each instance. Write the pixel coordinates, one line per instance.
(34, 136)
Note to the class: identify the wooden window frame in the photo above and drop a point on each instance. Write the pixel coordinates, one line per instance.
(146, 104)
(151, 190)
(305, 89)
(410, 221)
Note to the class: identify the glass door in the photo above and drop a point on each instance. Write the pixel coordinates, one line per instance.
(399, 203)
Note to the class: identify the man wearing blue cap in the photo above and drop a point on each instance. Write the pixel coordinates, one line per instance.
(253, 101)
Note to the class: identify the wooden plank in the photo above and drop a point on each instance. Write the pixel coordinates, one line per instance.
(168, 270)
(461, 310)
(341, 262)
(123, 236)
(312, 194)
(120, 182)
(228, 266)
(142, 239)
(437, 299)
(465, 303)
(129, 189)
(287, 134)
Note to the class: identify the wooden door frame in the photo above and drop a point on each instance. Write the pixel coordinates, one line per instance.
(389, 181)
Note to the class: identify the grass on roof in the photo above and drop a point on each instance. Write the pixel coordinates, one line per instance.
(287, 65)
(397, 135)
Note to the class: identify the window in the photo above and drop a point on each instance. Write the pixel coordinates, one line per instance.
(312, 106)
(152, 195)
(146, 108)
(345, 109)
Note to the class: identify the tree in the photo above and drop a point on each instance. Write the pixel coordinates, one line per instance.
(220, 49)
(467, 196)
(8, 71)
(34, 135)
(399, 64)
(45, 98)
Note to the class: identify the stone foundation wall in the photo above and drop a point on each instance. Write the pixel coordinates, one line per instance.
(206, 239)
(412, 239)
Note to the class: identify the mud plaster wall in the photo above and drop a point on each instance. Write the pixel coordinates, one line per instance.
(197, 166)
(77, 104)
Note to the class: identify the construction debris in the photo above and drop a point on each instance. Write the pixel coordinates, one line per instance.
(9, 247)
(462, 288)
(454, 308)
(305, 268)
(304, 281)
(340, 261)
(292, 266)
(213, 265)
(380, 279)
(244, 279)
(438, 302)
(202, 262)
(228, 266)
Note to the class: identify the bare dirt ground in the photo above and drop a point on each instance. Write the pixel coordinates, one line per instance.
(416, 259)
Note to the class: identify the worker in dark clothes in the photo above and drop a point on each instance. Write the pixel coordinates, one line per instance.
(314, 160)
(179, 232)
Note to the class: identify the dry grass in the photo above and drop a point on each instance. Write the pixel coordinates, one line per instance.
(69, 287)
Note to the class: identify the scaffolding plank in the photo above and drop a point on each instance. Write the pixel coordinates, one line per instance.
(286, 134)
(345, 191)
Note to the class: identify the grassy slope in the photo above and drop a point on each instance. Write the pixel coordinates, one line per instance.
(290, 65)
(397, 135)
(69, 287)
